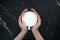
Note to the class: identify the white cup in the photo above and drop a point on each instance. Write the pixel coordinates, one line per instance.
(30, 19)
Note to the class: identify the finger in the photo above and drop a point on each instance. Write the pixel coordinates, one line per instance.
(25, 10)
(39, 20)
(38, 23)
(24, 24)
(19, 20)
(33, 10)
(20, 17)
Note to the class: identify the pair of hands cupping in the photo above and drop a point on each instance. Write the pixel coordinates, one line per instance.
(23, 26)
(24, 29)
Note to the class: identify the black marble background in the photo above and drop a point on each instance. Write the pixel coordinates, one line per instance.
(49, 10)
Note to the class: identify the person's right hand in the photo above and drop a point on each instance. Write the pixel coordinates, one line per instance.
(21, 24)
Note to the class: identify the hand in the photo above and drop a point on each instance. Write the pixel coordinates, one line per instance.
(21, 24)
(23, 27)
(38, 20)
(34, 29)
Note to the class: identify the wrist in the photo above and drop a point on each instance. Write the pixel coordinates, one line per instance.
(24, 30)
(33, 30)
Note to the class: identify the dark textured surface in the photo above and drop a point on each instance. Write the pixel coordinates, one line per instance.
(49, 10)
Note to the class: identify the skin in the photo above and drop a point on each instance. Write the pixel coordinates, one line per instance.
(24, 29)
(34, 30)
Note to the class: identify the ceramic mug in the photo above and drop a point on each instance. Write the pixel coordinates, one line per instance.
(29, 18)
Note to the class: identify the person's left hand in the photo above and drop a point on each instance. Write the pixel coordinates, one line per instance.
(35, 27)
